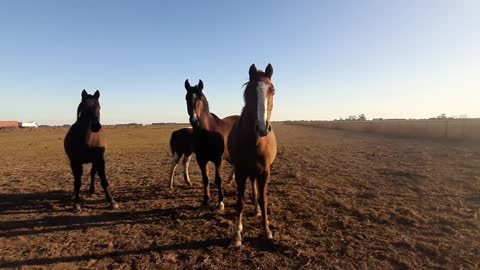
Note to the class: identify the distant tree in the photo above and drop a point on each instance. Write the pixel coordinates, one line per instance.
(352, 118)
(442, 116)
(362, 117)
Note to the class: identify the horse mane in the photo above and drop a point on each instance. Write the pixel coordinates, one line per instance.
(215, 116)
(206, 106)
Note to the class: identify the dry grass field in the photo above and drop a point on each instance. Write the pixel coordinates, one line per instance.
(338, 200)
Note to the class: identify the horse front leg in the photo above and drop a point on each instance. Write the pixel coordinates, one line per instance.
(93, 171)
(206, 184)
(263, 179)
(100, 165)
(240, 180)
(218, 182)
(77, 170)
(255, 197)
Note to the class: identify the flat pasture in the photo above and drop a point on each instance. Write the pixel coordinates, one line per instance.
(337, 200)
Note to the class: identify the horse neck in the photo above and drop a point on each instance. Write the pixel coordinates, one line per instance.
(83, 124)
(248, 118)
(207, 121)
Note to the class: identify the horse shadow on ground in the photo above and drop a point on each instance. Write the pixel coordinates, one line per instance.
(63, 220)
(30, 203)
(189, 245)
(259, 244)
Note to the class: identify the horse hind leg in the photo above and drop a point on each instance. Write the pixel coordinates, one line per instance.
(100, 166)
(93, 171)
(176, 158)
(218, 182)
(231, 177)
(186, 163)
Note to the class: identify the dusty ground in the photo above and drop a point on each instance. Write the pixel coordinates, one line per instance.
(338, 200)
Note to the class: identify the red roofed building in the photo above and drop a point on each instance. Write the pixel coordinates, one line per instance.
(8, 124)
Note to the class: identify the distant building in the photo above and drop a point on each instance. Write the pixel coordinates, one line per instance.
(28, 125)
(9, 124)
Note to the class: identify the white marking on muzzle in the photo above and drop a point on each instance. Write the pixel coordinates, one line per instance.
(262, 105)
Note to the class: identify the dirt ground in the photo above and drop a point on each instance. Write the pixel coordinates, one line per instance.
(337, 200)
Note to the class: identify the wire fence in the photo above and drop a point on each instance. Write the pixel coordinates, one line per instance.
(458, 129)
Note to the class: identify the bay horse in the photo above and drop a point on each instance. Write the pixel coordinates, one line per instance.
(181, 144)
(252, 145)
(210, 135)
(85, 143)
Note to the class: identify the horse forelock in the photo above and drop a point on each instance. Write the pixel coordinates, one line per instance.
(250, 90)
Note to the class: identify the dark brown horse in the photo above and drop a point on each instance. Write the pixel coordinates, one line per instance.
(252, 145)
(85, 143)
(181, 144)
(210, 135)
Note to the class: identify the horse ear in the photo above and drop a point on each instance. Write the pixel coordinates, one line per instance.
(200, 85)
(84, 94)
(269, 70)
(252, 71)
(187, 85)
(97, 94)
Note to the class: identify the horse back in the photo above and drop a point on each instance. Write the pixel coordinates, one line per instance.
(181, 141)
(225, 128)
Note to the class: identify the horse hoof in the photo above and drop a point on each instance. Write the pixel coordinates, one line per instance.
(77, 208)
(236, 243)
(114, 205)
(268, 235)
(221, 206)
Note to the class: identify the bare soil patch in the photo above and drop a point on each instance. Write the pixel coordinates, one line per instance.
(338, 200)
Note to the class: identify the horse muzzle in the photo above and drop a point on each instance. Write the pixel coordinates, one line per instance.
(95, 127)
(194, 122)
(263, 130)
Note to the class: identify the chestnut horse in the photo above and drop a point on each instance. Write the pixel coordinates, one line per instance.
(181, 144)
(85, 143)
(210, 135)
(252, 145)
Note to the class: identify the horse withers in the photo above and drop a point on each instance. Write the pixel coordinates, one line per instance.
(210, 134)
(252, 145)
(85, 143)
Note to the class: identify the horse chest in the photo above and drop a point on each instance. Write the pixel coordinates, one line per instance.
(208, 144)
(95, 140)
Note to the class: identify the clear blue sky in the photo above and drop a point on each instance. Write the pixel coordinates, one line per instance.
(331, 59)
